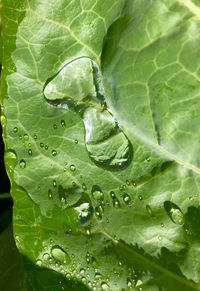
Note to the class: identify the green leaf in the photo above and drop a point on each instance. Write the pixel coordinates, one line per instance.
(105, 171)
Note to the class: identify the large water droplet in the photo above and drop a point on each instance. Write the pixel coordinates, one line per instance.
(174, 212)
(60, 255)
(11, 160)
(78, 87)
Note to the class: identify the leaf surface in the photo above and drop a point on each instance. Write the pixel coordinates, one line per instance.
(115, 208)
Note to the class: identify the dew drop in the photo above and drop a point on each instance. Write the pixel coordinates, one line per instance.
(35, 136)
(22, 164)
(85, 212)
(50, 194)
(63, 201)
(11, 160)
(105, 286)
(174, 212)
(26, 137)
(91, 24)
(39, 263)
(82, 271)
(3, 121)
(126, 198)
(30, 152)
(148, 159)
(46, 147)
(54, 183)
(140, 197)
(41, 145)
(159, 237)
(62, 123)
(46, 257)
(149, 210)
(60, 255)
(97, 194)
(64, 169)
(116, 202)
(76, 141)
(15, 129)
(84, 187)
(72, 168)
(54, 153)
(55, 126)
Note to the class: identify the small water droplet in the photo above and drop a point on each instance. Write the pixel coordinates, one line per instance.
(55, 126)
(63, 201)
(82, 271)
(162, 224)
(29, 144)
(50, 194)
(159, 237)
(46, 147)
(26, 137)
(105, 286)
(54, 153)
(62, 123)
(39, 263)
(85, 212)
(97, 194)
(54, 183)
(64, 169)
(148, 159)
(91, 24)
(15, 129)
(22, 164)
(116, 202)
(3, 121)
(128, 182)
(72, 168)
(134, 183)
(41, 145)
(126, 198)
(60, 255)
(84, 187)
(76, 141)
(140, 197)
(190, 198)
(149, 210)
(35, 136)
(30, 152)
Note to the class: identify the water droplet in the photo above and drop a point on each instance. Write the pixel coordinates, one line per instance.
(105, 286)
(64, 169)
(140, 197)
(82, 271)
(29, 144)
(54, 153)
(46, 257)
(62, 123)
(94, 263)
(72, 168)
(54, 183)
(39, 263)
(26, 137)
(22, 164)
(3, 121)
(159, 237)
(106, 143)
(97, 194)
(63, 201)
(35, 136)
(55, 126)
(50, 194)
(15, 129)
(11, 160)
(174, 212)
(41, 145)
(46, 147)
(126, 198)
(190, 198)
(91, 24)
(60, 255)
(134, 183)
(84, 187)
(30, 152)
(99, 211)
(149, 210)
(85, 212)
(128, 182)
(116, 202)
(76, 141)
(162, 224)
(148, 159)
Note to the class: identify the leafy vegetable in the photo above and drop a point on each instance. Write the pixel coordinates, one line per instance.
(105, 171)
